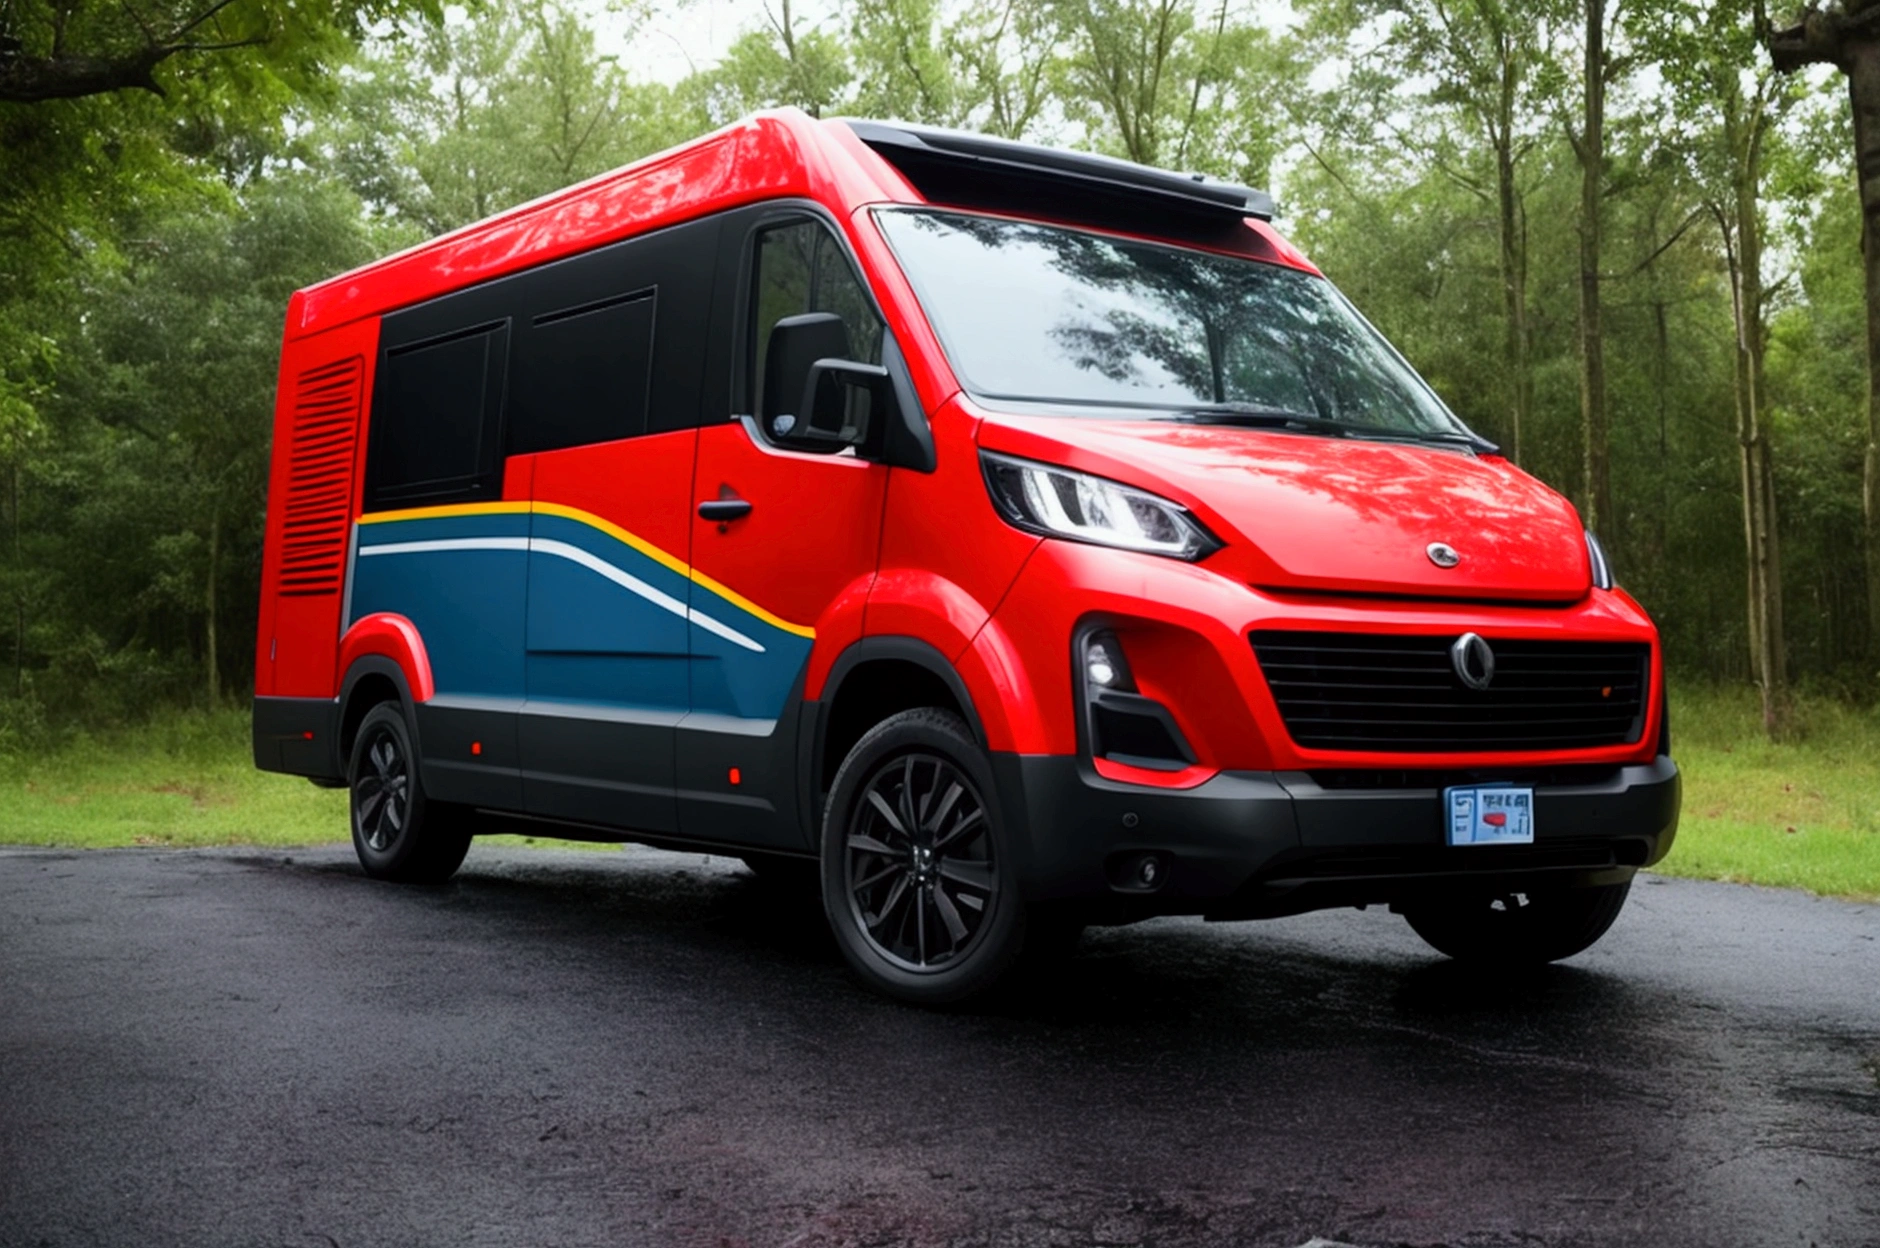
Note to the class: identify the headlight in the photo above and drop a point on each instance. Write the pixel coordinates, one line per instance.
(1602, 571)
(1055, 501)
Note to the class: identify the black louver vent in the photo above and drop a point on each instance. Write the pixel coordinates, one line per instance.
(319, 479)
(1346, 691)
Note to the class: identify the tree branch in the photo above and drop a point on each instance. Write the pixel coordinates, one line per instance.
(1696, 216)
(1821, 38)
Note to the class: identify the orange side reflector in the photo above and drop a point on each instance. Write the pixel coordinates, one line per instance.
(737, 777)
(476, 747)
(1606, 692)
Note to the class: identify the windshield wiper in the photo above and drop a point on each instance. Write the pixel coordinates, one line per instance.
(1262, 416)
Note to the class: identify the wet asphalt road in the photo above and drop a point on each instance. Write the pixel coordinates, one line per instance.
(213, 1048)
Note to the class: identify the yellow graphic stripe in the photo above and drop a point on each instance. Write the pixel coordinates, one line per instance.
(612, 530)
(442, 513)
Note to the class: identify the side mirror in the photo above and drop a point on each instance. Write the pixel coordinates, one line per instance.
(837, 402)
(794, 346)
(842, 402)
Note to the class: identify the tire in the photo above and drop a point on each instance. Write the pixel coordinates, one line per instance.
(398, 833)
(1519, 929)
(918, 872)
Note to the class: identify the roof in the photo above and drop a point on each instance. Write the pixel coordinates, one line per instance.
(783, 153)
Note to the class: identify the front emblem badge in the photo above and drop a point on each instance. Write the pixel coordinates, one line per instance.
(1473, 660)
(1442, 554)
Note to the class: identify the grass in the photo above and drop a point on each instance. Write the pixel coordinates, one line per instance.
(1804, 814)
(183, 779)
(1798, 815)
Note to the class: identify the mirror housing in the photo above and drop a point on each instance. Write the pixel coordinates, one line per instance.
(794, 346)
(830, 412)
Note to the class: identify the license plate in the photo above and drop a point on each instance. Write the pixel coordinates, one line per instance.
(1489, 814)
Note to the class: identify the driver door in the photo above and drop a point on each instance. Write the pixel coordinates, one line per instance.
(778, 536)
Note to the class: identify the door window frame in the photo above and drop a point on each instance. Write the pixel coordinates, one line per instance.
(748, 223)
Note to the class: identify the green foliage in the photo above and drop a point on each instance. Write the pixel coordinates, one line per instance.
(149, 243)
(457, 121)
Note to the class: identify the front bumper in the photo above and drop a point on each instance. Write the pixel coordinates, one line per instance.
(1261, 844)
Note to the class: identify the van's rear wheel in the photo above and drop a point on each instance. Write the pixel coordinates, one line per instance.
(1514, 929)
(398, 833)
(917, 865)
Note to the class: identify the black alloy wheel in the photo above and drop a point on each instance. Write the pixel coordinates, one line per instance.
(921, 875)
(917, 875)
(397, 832)
(381, 792)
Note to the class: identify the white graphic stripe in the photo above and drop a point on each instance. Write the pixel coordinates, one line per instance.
(446, 543)
(574, 554)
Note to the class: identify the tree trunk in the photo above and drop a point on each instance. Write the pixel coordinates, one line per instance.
(1744, 127)
(1514, 295)
(1661, 370)
(1849, 38)
(1597, 467)
(209, 643)
(1863, 84)
(19, 591)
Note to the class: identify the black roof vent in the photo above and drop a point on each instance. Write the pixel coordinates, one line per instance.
(973, 170)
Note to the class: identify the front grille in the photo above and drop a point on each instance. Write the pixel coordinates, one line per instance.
(1353, 691)
(1429, 779)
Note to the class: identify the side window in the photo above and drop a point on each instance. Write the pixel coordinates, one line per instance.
(436, 418)
(581, 374)
(798, 268)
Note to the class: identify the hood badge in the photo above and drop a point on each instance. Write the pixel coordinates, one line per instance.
(1473, 660)
(1442, 554)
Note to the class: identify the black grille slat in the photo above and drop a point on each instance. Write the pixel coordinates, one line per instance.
(1350, 691)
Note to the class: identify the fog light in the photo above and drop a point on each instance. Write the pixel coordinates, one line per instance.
(1136, 871)
(1104, 665)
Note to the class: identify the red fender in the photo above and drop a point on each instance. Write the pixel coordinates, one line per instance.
(909, 602)
(392, 637)
(837, 628)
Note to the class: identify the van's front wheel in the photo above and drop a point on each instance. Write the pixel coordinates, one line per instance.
(1519, 928)
(918, 878)
(397, 832)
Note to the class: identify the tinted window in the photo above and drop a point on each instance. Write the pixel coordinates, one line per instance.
(581, 374)
(800, 268)
(1042, 313)
(608, 344)
(436, 418)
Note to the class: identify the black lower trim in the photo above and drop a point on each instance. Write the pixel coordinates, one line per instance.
(298, 736)
(1254, 844)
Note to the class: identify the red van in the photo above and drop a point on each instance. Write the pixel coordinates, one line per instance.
(1029, 539)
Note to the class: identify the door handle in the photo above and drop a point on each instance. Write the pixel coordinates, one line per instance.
(724, 510)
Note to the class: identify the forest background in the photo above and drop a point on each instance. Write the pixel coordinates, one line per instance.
(1614, 236)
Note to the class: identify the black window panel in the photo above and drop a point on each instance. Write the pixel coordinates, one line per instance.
(436, 418)
(582, 374)
(800, 267)
(610, 343)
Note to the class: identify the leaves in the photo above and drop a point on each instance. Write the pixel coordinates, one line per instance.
(150, 239)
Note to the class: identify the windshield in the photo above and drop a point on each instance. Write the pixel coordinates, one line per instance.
(1045, 314)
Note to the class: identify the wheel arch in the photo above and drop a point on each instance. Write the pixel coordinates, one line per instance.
(870, 680)
(369, 681)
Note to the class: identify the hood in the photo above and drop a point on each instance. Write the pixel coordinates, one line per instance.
(1315, 514)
